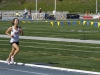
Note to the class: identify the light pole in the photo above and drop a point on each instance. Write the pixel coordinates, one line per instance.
(36, 9)
(36, 6)
(96, 6)
(55, 5)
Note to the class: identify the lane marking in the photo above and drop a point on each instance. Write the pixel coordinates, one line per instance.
(23, 71)
(55, 39)
(54, 44)
(97, 52)
(55, 68)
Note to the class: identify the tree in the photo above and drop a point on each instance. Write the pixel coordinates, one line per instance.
(1, 0)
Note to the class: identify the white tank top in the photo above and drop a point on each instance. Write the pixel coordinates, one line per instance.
(15, 34)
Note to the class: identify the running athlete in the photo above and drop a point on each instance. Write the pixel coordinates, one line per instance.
(15, 32)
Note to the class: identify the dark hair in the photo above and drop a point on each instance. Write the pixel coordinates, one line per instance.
(14, 21)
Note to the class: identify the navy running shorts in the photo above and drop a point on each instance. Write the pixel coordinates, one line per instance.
(14, 42)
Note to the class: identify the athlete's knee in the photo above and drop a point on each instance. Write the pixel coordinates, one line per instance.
(18, 49)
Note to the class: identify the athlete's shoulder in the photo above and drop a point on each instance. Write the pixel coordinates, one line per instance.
(10, 27)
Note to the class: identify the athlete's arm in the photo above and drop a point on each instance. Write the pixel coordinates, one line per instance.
(9, 30)
(21, 31)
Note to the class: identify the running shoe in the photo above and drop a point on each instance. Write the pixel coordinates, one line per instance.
(8, 62)
(12, 60)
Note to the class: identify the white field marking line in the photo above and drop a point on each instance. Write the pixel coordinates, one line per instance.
(57, 68)
(4, 40)
(34, 42)
(64, 49)
(55, 39)
(44, 32)
(39, 29)
(54, 44)
(75, 50)
(23, 71)
(60, 44)
(27, 42)
(59, 49)
(76, 31)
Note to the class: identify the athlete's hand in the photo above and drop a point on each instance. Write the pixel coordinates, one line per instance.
(11, 36)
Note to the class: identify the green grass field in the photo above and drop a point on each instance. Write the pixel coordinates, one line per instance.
(45, 29)
(61, 54)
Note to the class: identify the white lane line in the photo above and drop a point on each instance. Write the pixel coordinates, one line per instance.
(4, 40)
(56, 68)
(96, 52)
(55, 39)
(23, 71)
(58, 44)
(55, 44)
